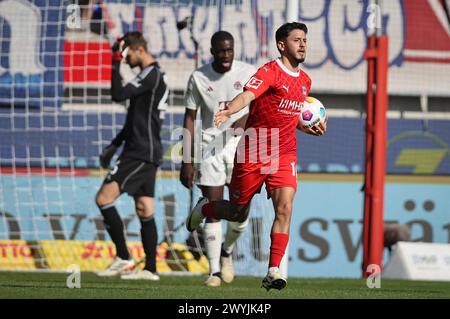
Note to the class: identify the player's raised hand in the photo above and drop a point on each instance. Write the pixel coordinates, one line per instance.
(117, 49)
(221, 117)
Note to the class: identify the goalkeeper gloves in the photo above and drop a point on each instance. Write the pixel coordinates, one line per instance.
(107, 154)
(117, 50)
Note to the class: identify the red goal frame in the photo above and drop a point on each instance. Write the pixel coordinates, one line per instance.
(375, 152)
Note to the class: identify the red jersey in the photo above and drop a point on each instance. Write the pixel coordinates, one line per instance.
(280, 94)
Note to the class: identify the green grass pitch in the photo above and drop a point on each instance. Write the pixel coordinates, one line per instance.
(53, 285)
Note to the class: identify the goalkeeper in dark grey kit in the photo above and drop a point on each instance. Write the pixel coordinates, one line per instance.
(135, 170)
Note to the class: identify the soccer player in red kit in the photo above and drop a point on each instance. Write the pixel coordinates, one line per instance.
(267, 151)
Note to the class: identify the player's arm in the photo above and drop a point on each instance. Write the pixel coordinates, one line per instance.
(120, 137)
(116, 86)
(187, 165)
(109, 151)
(259, 83)
(193, 99)
(240, 122)
(135, 87)
(237, 104)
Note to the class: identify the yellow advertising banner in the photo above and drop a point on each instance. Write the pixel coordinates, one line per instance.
(16, 255)
(58, 255)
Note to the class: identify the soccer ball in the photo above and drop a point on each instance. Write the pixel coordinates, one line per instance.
(312, 112)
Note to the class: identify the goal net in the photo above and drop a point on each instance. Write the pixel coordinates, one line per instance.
(56, 116)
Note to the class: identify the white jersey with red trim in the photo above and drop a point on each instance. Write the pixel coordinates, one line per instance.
(209, 92)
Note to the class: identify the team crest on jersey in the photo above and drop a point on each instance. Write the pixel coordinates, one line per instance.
(237, 85)
(304, 90)
(254, 83)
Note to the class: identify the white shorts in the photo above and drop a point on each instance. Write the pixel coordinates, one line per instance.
(216, 170)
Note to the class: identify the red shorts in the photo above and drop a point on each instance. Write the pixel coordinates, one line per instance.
(247, 178)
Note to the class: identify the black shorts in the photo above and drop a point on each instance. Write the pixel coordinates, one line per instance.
(135, 177)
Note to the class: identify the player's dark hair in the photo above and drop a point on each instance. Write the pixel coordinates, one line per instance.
(283, 31)
(134, 40)
(220, 36)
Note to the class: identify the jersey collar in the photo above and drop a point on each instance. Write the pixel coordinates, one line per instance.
(286, 70)
(221, 74)
(146, 71)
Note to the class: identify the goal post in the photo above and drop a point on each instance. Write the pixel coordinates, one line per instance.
(375, 153)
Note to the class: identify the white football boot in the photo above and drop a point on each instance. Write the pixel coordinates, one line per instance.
(117, 267)
(227, 269)
(274, 280)
(140, 274)
(213, 281)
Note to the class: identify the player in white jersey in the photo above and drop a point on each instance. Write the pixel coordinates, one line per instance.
(210, 89)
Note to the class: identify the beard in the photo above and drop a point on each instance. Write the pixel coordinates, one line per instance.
(295, 56)
(302, 59)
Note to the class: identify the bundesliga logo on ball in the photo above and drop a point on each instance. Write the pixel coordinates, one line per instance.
(312, 112)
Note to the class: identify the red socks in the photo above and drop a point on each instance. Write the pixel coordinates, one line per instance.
(277, 248)
(208, 210)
